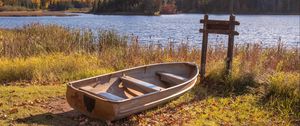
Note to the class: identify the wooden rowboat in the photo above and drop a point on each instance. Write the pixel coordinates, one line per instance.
(122, 93)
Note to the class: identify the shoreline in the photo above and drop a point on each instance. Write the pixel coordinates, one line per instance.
(34, 13)
(242, 13)
(142, 14)
(42, 13)
(124, 13)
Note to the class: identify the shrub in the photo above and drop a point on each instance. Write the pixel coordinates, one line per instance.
(284, 92)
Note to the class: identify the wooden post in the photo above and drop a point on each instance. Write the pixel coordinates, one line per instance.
(204, 48)
(230, 45)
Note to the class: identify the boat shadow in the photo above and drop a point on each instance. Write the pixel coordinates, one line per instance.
(70, 118)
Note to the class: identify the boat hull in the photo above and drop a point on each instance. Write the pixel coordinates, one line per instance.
(103, 109)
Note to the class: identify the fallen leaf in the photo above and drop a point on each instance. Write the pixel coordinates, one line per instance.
(30, 103)
(82, 123)
(37, 101)
(12, 91)
(3, 116)
(94, 124)
(14, 110)
(1, 104)
(108, 123)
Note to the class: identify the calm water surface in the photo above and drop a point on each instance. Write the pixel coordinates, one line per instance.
(268, 29)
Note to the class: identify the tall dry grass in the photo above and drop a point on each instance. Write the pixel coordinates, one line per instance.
(51, 54)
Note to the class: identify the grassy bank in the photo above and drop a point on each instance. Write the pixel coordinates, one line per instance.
(264, 87)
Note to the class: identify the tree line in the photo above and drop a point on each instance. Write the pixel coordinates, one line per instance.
(197, 6)
(163, 6)
(48, 4)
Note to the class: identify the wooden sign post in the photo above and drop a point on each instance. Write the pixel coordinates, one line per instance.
(218, 27)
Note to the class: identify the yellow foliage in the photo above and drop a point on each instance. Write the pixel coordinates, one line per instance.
(1, 3)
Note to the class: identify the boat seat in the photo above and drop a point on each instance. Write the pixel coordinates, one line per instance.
(110, 96)
(87, 88)
(92, 89)
(102, 94)
(171, 78)
(139, 85)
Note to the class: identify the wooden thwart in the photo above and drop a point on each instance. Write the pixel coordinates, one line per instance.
(100, 93)
(139, 85)
(110, 96)
(87, 88)
(171, 78)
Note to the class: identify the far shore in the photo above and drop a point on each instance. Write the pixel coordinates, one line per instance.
(214, 13)
(73, 13)
(124, 13)
(34, 13)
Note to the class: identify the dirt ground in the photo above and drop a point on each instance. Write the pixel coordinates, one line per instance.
(60, 114)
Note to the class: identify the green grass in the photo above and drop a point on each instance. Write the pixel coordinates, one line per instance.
(263, 88)
(242, 110)
(284, 93)
(20, 102)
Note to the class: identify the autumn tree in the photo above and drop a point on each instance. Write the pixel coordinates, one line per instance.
(152, 6)
(1, 3)
(36, 4)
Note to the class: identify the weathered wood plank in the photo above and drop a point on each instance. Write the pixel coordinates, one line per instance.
(230, 46)
(225, 32)
(219, 22)
(86, 88)
(171, 78)
(218, 26)
(110, 96)
(139, 85)
(204, 48)
(101, 93)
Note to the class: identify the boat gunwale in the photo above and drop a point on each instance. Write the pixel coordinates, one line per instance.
(70, 84)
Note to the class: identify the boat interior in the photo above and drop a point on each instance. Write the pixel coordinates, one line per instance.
(136, 82)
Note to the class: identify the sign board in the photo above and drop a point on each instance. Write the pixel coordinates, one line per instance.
(219, 26)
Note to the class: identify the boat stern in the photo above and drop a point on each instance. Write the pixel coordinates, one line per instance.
(91, 105)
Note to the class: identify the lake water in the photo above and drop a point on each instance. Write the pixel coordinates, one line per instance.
(267, 29)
